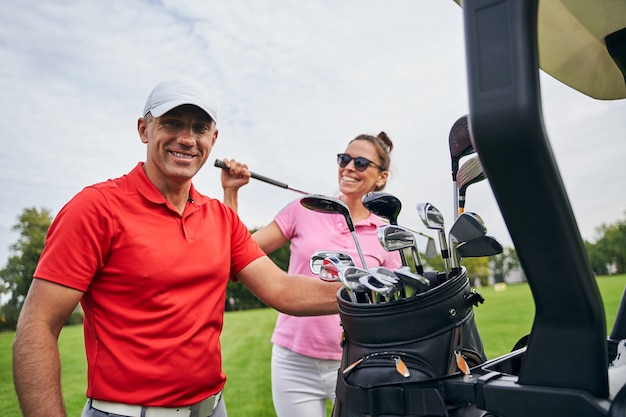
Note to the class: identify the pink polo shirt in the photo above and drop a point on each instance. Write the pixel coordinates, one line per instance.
(309, 231)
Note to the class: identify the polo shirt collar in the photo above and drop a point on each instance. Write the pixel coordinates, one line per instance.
(148, 190)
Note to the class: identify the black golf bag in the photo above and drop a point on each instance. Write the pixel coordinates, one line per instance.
(394, 352)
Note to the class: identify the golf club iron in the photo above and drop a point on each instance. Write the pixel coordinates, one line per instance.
(476, 248)
(393, 237)
(317, 259)
(467, 226)
(416, 282)
(433, 219)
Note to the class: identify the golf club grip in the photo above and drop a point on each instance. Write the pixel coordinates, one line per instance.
(220, 164)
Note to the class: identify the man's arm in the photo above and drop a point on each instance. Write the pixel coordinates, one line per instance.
(297, 295)
(36, 363)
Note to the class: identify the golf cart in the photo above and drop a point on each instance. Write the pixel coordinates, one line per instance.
(561, 368)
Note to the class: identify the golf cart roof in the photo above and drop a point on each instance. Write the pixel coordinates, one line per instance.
(582, 43)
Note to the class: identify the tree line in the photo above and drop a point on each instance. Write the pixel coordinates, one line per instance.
(607, 256)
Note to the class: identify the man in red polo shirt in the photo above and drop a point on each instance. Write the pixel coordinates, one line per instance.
(149, 258)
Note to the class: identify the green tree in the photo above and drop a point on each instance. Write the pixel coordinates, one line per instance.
(609, 249)
(597, 257)
(504, 263)
(477, 268)
(16, 277)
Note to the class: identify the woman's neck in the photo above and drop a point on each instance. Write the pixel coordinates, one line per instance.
(357, 209)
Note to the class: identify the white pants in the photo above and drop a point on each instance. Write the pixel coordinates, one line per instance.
(301, 384)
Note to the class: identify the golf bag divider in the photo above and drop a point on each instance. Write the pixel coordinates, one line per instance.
(393, 353)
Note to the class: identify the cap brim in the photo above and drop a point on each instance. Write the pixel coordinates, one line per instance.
(160, 110)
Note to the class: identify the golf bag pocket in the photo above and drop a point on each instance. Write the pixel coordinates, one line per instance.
(400, 344)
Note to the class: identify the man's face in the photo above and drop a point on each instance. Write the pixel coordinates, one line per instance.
(179, 143)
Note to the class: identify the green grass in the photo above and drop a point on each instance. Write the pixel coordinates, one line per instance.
(502, 320)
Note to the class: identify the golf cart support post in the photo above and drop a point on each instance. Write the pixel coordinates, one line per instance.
(563, 369)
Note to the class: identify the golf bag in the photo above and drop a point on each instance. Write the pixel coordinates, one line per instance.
(393, 353)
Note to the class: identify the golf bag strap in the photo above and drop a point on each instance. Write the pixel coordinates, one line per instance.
(391, 400)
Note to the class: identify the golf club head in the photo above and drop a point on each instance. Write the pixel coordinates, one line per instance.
(467, 226)
(393, 237)
(433, 219)
(476, 248)
(469, 173)
(349, 277)
(326, 204)
(430, 216)
(329, 271)
(317, 259)
(413, 280)
(332, 205)
(383, 205)
(460, 142)
(381, 283)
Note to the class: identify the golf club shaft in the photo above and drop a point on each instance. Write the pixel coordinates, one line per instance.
(220, 164)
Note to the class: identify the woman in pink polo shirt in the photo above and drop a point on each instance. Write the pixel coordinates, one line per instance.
(307, 352)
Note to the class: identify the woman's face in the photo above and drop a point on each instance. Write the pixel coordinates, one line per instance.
(358, 183)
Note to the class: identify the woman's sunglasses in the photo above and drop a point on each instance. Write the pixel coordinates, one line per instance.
(360, 163)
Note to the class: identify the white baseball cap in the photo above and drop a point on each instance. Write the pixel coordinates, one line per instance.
(170, 94)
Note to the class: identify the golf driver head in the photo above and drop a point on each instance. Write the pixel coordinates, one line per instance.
(383, 205)
(476, 248)
(460, 142)
(330, 205)
(317, 259)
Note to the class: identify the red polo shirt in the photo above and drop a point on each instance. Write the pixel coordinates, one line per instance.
(154, 283)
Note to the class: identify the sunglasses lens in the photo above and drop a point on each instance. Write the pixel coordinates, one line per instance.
(361, 163)
(343, 159)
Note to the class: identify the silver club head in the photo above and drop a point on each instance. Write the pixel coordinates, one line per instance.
(349, 277)
(329, 271)
(393, 238)
(433, 219)
(317, 258)
(381, 284)
(417, 282)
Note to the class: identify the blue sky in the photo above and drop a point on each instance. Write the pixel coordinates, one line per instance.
(294, 82)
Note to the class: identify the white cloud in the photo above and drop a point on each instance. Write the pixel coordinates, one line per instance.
(294, 82)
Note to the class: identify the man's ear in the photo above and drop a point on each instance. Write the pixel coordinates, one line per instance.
(142, 128)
